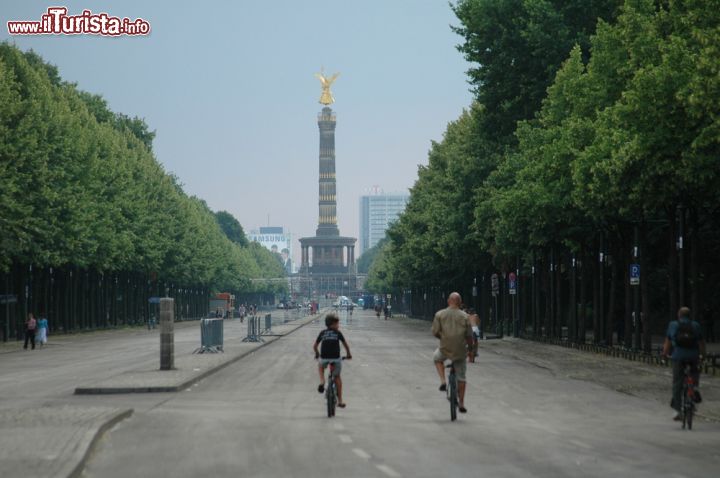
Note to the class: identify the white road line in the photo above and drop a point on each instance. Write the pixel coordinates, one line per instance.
(345, 438)
(361, 453)
(388, 471)
(581, 444)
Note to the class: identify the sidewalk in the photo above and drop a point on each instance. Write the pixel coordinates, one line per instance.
(40, 440)
(647, 381)
(189, 367)
(52, 441)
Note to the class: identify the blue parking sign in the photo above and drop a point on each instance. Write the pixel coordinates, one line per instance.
(634, 274)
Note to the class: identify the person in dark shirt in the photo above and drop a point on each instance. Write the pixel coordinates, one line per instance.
(327, 350)
(684, 339)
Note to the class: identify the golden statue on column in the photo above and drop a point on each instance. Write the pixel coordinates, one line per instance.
(326, 97)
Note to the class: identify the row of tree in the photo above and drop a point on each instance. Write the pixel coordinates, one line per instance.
(590, 154)
(90, 223)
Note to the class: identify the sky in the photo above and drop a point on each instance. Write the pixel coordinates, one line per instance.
(228, 87)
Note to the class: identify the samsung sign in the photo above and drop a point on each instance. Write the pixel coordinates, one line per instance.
(276, 240)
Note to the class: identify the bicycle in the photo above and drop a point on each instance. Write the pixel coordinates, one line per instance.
(452, 392)
(688, 397)
(331, 396)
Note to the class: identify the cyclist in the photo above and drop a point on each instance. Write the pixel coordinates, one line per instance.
(452, 327)
(329, 343)
(684, 337)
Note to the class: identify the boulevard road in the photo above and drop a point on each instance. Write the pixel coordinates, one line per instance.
(263, 417)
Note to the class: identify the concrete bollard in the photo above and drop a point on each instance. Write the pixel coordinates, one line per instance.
(167, 333)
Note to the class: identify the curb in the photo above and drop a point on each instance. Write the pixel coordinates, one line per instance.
(188, 383)
(93, 441)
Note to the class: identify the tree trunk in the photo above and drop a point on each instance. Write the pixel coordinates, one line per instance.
(647, 321)
(628, 296)
(672, 264)
(582, 329)
(610, 317)
(694, 266)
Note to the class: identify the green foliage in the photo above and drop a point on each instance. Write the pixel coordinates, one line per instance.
(363, 263)
(231, 227)
(516, 46)
(380, 277)
(564, 142)
(79, 186)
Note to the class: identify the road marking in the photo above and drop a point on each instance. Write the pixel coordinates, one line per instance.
(361, 453)
(581, 444)
(339, 426)
(345, 438)
(388, 471)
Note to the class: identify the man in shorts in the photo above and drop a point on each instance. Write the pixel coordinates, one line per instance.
(452, 327)
(329, 342)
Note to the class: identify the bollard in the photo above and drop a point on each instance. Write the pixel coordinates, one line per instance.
(167, 333)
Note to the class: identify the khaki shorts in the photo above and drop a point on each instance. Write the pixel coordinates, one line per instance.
(337, 362)
(460, 365)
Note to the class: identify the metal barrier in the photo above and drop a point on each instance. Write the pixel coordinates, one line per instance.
(268, 324)
(253, 333)
(211, 336)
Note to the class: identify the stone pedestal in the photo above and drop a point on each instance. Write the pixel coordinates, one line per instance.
(167, 334)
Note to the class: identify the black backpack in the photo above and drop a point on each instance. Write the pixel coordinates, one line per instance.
(685, 336)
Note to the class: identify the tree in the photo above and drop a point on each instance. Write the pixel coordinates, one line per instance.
(364, 262)
(231, 227)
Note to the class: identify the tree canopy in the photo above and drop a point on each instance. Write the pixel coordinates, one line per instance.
(590, 119)
(79, 185)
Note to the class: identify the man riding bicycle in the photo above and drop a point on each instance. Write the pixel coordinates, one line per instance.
(452, 327)
(684, 337)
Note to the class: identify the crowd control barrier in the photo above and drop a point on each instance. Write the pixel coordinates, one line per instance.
(253, 332)
(211, 336)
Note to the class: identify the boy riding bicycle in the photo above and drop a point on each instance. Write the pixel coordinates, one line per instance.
(329, 343)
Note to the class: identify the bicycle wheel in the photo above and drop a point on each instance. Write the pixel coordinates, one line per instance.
(690, 404)
(330, 396)
(453, 397)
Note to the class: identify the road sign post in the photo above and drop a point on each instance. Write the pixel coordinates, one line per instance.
(512, 290)
(495, 288)
(635, 270)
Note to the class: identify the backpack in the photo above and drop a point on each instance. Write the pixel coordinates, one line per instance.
(685, 336)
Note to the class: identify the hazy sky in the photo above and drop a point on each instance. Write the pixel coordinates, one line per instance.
(229, 88)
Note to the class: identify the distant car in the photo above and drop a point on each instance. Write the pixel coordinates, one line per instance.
(280, 305)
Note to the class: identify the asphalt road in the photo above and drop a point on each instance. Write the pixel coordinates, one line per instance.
(262, 417)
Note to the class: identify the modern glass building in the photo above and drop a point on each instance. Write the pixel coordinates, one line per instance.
(377, 212)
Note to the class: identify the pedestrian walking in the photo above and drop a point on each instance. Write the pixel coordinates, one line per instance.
(42, 331)
(30, 330)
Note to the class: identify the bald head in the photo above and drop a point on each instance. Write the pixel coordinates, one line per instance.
(454, 300)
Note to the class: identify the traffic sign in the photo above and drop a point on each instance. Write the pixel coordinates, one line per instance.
(634, 274)
(495, 284)
(154, 300)
(512, 283)
(8, 299)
